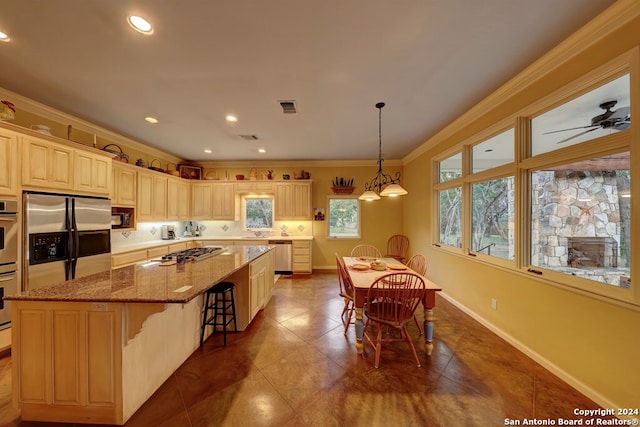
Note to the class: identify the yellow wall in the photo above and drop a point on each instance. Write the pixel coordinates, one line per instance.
(593, 344)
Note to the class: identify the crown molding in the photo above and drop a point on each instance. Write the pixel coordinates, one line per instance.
(42, 110)
(602, 26)
(296, 163)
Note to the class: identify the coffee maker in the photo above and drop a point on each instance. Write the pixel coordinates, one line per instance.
(168, 232)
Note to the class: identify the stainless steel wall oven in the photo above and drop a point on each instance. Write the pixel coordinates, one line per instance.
(8, 257)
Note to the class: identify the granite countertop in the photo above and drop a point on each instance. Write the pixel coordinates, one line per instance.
(149, 283)
(153, 243)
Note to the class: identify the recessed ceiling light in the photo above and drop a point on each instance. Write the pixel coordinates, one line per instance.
(151, 120)
(206, 150)
(4, 37)
(231, 118)
(261, 150)
(140, 24)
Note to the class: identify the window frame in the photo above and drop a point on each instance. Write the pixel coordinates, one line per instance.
(243, 209)
(359, 216)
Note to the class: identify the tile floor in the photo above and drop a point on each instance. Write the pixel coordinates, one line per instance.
(294, 367)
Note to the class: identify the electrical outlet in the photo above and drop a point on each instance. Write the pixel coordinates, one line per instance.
(494, 303)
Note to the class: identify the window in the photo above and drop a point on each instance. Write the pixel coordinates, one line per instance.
(450, 168)
(493, 152)
(450, 205)
(258, 213)
(581, 215)
(492, 216)
(344, 217)
(600, 112)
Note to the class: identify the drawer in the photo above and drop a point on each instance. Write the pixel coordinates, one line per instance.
(119, 260)
(159, 251)
(182, 246)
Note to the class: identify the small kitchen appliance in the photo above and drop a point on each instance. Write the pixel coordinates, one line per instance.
(168, 232)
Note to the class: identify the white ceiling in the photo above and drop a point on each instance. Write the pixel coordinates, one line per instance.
(429, 60)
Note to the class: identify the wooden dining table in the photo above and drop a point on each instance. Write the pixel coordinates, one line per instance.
(362, 281)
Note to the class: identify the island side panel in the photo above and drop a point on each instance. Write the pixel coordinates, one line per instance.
(164, 341)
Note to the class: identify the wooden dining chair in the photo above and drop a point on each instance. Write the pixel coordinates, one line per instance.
(366, 251)
(398, 247)
(418, 263)
(391, 302)
(347, 292)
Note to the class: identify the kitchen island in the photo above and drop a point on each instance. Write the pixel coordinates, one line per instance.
(93, 350)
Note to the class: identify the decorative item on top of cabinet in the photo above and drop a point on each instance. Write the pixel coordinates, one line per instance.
(117, 150)
(253, 174)
(303, 175)
(156, 168)
(7, 110)
(190, 171)
(174, 171)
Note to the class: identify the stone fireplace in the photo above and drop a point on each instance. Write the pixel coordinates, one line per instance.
(592, 252)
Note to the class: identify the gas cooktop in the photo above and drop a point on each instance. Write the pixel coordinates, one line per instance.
(194, 254)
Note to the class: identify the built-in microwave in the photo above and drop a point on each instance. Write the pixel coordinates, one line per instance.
(120, 220)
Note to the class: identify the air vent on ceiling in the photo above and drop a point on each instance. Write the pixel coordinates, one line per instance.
(288, 107)
(249, 137)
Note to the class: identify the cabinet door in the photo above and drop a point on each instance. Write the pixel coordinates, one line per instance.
(301, 203)
(92, 172)
(159, 198)
(144, 204)
(8, 162)
(293, 200)
(46, 164)
(177, 199)
(224, 202)
(124, 185)
(201, 194)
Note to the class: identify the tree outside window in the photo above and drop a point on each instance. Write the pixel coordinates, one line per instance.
(344, 217)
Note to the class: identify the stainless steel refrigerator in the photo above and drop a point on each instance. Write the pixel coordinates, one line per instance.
(66, 237)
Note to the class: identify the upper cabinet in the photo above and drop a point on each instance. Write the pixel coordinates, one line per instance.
(92, 172)
(8, 162)
(201, 193)
(152, 196)
(50, 165)
(123, 189)
(293, 200)
(224, 202)
(177, 199)
(46, 164)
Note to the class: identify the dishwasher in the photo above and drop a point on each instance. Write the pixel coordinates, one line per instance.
(284, 256)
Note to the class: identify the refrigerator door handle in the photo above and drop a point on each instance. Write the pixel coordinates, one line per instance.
(68, 265)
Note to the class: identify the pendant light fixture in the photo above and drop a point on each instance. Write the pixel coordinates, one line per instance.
(382, 184)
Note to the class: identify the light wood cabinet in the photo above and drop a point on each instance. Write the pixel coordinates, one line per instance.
(92, 172)
(151, 203)
(178, 196)
(8, 163)
(201, 200)
(127, 258)
(66, 358)
(123, 188)
(46, 164)
(254, 187)
(224, 202)
(260, 274)
(301, 252)
(293, 200)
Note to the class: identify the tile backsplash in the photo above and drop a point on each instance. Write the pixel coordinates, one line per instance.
(150, 231)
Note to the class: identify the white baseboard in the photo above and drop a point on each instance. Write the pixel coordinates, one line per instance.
(569, 379)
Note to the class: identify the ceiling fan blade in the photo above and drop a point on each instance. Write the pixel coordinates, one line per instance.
(563, 130)
(577, 135)
(622, 125)
(620, 113)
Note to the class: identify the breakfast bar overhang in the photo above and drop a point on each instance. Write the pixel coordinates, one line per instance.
(93, 350)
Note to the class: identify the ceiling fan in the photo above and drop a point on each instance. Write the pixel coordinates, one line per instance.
(617, 120)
